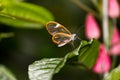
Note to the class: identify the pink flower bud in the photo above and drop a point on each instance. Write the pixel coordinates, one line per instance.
(115, 37)
(113, 9)
(103, 62)
(91, 27)
(115, 49)
(115, 43)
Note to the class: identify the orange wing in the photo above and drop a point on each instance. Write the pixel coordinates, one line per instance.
(61, 39)
(54, 27)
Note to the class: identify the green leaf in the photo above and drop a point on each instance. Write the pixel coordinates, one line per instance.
(19, 0)
(6, 35)
(113, 75)
(45, 69)
(5, 74)
(88, 53)
(23, 15)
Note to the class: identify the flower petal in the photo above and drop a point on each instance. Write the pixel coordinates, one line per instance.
(115, 49)
(113, 9)
(103, 62)
(91, 27)
(115, 37)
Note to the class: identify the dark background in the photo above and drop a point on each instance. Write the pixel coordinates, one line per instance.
(29, 45)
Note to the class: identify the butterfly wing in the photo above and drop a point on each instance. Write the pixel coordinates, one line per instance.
(61, 39)
(54, 27)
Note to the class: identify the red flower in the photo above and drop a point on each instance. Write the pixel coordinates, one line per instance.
(103, 62)
(115, 49)
(115, 37)
(113, 9)
(91, 27)
(115, 43)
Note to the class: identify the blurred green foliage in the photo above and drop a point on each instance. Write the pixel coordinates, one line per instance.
(23, 15)
(45, 69)
(28, 45)
(5, 74)
(114, 74)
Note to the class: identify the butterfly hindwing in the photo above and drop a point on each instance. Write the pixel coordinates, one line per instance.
(61, 39)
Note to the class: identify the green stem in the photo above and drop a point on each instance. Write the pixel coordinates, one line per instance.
(114, 59)
(84, 7)
(94, 2)
(105, 23)
(101, 76)
(114, 21)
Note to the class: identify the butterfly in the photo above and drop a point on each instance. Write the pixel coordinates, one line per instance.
(60, 35)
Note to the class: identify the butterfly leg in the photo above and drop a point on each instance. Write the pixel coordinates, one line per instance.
(72, 44)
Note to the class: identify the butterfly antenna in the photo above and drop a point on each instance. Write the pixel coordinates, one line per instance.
(78, 28)
(78, 38)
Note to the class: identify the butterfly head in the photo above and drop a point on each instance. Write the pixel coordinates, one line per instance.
(73, 37)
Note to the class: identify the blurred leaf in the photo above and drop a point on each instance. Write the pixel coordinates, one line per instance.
(20, 0)
(113, 75)
(5, 74)
(6, 35)
(74, 52)
(23, 15)
(46, 68)
(89, 53)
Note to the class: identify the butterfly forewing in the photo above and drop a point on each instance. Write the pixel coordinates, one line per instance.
(54, 27)
(61, 39)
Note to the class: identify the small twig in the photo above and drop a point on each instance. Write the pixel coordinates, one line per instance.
(84, 7)
(93, 1)
(114, 21)
(114, 59)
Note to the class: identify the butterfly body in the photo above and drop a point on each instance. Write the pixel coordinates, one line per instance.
(60, 34)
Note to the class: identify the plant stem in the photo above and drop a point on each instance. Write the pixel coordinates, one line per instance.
(84, 7)
(114, 59)
(105, 23)
(114, 21)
